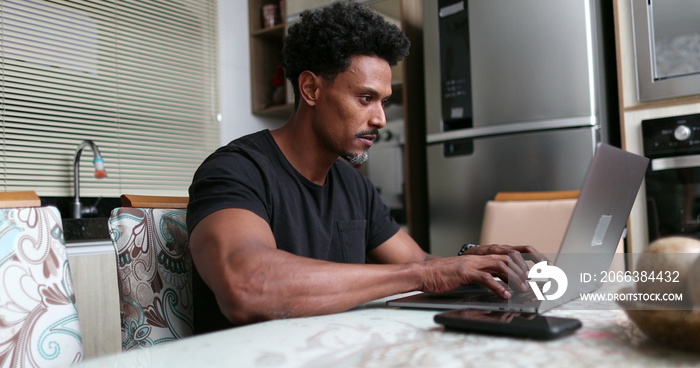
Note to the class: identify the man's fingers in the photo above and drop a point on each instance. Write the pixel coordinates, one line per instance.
(531, 253)
(490, 282)
(511, 267)
(517, 278)
(504, 267)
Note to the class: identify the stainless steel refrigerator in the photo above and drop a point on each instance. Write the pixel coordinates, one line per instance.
(518, 94)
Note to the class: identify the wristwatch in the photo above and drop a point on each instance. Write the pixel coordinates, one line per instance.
(465, 247)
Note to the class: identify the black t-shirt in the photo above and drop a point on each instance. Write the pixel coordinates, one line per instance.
(339, 221)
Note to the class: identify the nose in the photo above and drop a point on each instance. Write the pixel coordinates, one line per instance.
(378, 119)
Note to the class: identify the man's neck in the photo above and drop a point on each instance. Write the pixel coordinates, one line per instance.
(303, 151)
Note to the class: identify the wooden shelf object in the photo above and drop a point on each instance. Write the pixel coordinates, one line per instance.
(265, 59)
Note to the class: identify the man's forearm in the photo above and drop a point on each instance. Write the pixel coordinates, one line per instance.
(430, 257)
(282, 285)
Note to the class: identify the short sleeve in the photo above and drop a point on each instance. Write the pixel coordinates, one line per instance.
(228, 178)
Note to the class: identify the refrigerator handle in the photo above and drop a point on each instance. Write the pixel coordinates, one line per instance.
(510, 128)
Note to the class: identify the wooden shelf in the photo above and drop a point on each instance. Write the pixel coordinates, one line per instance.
(275, 32)
(265, 60)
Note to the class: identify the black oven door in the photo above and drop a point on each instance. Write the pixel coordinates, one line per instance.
(673, 196)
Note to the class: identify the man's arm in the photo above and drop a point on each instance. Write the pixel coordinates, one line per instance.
(236, 255)
(401, 248)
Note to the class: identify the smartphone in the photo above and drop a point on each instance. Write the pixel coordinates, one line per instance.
(515, 324)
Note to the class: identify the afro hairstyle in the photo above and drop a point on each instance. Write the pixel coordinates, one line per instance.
(325, 39)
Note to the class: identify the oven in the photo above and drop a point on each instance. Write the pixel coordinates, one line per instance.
(673, 177)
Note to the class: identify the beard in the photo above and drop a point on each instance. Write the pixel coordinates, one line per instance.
(355, 159)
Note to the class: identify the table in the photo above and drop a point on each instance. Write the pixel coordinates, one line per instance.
(374, 335)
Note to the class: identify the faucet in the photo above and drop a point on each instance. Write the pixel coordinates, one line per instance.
(78, 209)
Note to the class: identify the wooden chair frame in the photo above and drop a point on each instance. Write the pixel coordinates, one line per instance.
(143, 201)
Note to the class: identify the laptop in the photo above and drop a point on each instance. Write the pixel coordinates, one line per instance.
(593, 234)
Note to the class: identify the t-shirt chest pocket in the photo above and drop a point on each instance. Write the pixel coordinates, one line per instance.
(352, 240)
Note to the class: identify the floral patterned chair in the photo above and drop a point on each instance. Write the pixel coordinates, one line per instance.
(154, 269)
(38, 319)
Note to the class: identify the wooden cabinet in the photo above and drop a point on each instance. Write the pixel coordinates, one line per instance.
(413, 97)
(269, 89)
(97, 300)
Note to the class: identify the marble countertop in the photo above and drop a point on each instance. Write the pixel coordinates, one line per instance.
(375, 335)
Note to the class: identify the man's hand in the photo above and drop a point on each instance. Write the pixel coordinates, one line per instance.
(449, 273)
(517, 253)
(482, 264)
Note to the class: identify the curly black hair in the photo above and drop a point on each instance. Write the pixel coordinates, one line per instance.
(325, 39)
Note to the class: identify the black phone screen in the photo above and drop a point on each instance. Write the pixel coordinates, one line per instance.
(508, 323)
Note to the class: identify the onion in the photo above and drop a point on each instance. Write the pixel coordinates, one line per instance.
(668, 263)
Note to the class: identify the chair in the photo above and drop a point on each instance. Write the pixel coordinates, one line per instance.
(539, 219)
(39, 324)
(154, 269)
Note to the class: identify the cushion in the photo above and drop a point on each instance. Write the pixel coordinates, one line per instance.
(38, 319)
(154, 269)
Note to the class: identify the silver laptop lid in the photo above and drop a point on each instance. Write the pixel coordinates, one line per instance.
(599, 218)
(608, 192)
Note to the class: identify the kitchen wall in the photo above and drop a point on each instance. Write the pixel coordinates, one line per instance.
(236, 116)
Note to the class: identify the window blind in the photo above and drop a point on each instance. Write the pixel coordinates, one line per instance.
(139, 78)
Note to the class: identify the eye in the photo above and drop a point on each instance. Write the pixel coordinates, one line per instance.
(366, 99)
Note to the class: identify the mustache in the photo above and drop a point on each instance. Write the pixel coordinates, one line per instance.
(374, 132)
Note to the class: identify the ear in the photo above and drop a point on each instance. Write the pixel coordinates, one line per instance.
(309, 84)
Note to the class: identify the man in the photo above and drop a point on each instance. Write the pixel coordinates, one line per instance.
(279, 227)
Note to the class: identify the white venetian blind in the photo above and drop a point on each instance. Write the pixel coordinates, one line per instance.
(139, 78)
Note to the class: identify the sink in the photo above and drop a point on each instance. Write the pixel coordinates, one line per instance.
(88, 228)
(85, 229)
